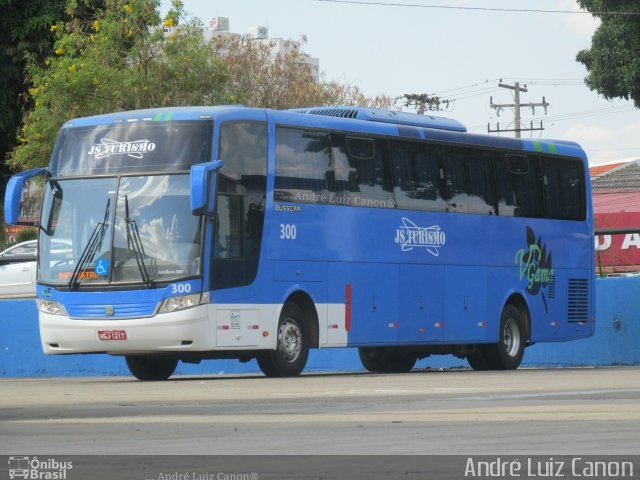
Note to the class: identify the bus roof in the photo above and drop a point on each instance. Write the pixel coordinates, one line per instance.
(386, 116)
(347, 118)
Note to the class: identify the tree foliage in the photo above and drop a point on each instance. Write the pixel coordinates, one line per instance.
(24, 29)
(122, 60)
(613, 61)
(128, 57)
(259, 76)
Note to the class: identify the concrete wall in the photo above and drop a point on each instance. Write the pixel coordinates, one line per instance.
(617, 342)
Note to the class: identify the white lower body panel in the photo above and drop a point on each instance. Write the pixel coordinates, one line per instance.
(212, 327)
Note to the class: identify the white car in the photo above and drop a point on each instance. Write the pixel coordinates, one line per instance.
(18, 268)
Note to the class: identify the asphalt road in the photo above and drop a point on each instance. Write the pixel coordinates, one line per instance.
(560, 411)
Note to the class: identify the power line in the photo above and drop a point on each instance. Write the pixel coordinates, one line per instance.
(486, 82)
(590, 113)
(482, 9)
(477, 93)
(486, 87)
(557, 84)
(574, 115)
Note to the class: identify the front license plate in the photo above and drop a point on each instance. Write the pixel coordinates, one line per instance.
(112, 335)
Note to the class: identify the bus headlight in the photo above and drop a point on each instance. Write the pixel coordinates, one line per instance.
(51, 307)
(175, 304)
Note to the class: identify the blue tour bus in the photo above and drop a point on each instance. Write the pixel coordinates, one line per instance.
(233, 232)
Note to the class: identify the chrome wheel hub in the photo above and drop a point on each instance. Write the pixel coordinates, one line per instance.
(511, 335)
(289, 340)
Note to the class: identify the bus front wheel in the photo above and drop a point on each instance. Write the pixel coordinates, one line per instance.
(292, 349)
(151, 368)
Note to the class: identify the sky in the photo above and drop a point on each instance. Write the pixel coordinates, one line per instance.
(460, 55)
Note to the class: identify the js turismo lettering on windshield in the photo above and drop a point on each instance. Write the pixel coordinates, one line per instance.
(410, 236)
(108, 147)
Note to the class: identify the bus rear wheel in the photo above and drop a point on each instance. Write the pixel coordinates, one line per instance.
(151, 368)
(292, 349)
(369, 361)
(386, 361)
(478, 359)
(398, 362)
(508, 352)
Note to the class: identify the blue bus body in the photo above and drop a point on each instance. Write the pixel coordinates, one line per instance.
(359, 272)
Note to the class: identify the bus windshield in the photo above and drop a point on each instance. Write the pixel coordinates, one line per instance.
(136, 229)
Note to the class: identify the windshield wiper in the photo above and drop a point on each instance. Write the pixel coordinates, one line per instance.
(92, 246)
(134, 240)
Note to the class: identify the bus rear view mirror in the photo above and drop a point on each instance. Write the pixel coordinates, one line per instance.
(203, 183)
(23, 198)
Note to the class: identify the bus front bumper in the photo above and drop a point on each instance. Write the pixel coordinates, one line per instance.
(188, 330)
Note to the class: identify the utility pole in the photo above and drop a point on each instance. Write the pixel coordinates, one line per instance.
(516, 105)
(423, 101)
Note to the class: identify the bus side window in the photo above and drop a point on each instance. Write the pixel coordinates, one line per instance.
(416, 169)
(368, 179)
(302, 165)
(519, 186)
(469, 181)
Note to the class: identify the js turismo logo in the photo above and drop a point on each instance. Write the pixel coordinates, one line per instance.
(108, 147)
(410, 236)
(37, 469)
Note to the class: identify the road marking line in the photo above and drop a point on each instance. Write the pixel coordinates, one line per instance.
(554, 413)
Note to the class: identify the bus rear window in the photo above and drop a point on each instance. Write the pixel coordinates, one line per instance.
(564, 189)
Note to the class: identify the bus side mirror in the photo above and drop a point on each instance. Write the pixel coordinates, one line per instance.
(14, 195)
(203, 184)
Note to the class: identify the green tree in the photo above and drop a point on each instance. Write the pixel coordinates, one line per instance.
(613, 61)
(126, 58)
(24, 29)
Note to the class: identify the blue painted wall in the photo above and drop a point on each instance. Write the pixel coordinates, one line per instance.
(616, 343)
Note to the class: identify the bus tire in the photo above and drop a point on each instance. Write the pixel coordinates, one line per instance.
(292, 348)
(508, 352)
(398, 362)
(370, 362)
(151, 368)
(478, 359)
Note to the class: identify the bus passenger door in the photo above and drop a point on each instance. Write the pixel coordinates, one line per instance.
(228, 255)
(420, 306)
(466, 304)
